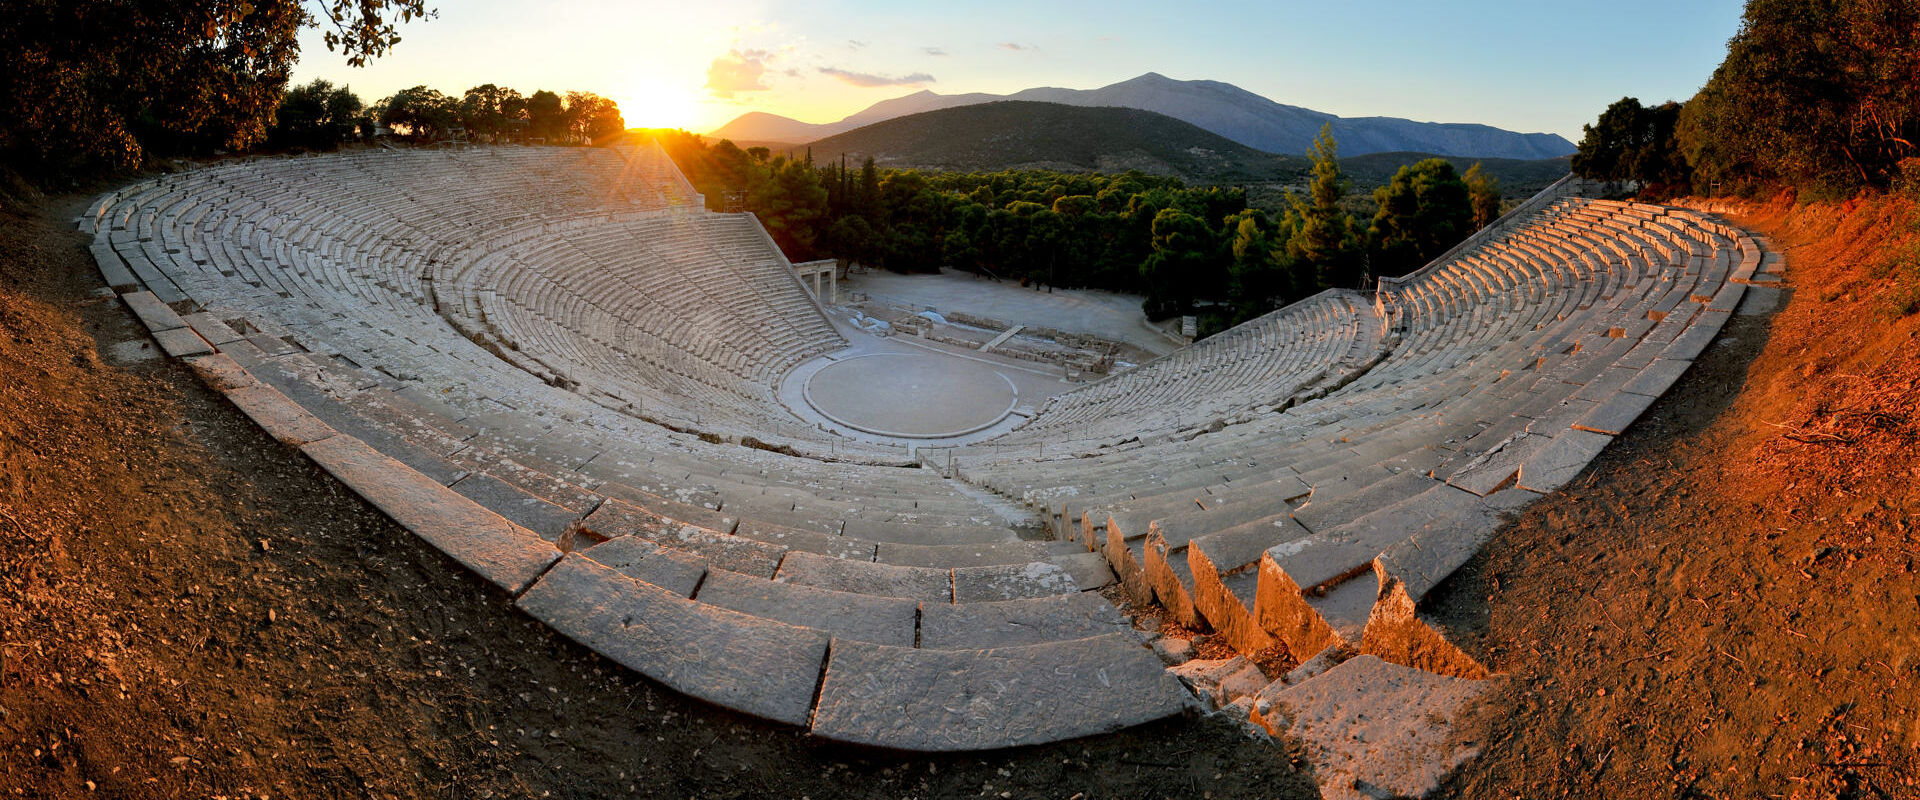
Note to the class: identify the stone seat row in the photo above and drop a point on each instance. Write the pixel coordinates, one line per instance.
(898, 657)
(1267, 544)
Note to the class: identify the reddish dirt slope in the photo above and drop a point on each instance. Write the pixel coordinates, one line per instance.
(1726, 604)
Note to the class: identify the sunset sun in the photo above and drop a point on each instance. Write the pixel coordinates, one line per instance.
(650, 102)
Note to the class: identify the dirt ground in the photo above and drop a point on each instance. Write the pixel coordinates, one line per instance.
(190, 610)
(1726, 604)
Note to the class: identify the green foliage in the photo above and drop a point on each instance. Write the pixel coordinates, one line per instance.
(419, 113)
(88, 87)
(1631, 142)
(1425, 210)
(1198, 250)
(1324, 240)
(1483, 191)
(318, 116)
(591, 117)
(488, 110)
(1820, 95)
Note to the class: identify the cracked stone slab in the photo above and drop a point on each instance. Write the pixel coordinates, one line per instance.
(957, 700)
(1017, 622)
(755, 666)
(524, 508)
(845, 575)
(827, 544)
(152, 313)
(505, 554)
(645, 561)
(844, 615)
(1561, 460)
(1657, 377)
(1089, 570)
(1011, 582)
(959, 555)
(1376, 729)
(220, 372)
(617, 518)
(182, 342)
(280, 417)
(1494, 468)
(1614, 414)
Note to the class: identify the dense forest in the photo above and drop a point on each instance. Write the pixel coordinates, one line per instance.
(1200, 250)
(1819, 96)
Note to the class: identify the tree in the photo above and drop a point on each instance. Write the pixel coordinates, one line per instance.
(1324, 241)
(1484, 195)
(1631, 142)
(422, 112)
(488, 110)
(317, 115)
(1424, 210)
(1179, 263)
(792, 204)
(591, 117)
(547, 116)
(99, 86)
(1817, 94)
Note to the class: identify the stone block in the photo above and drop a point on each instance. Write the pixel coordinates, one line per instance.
(1011, 582)
(845, 615)
(755, 666)
(220, 373)
(957, 700)
(1657, 377)
(960, 555)
(516, 504)
(1554, 465)
(182, 342)
(1375, 729)
(1614, 414)
(843, 575)
(1088, 570)
(645, 561)
(505, 554)
(152, 313)
(1018, 622)
(280, 417)
(618, 518)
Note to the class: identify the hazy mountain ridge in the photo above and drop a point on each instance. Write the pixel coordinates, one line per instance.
(1014, 134)
(1221, 108)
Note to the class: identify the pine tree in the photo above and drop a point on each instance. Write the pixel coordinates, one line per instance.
(1325, 243)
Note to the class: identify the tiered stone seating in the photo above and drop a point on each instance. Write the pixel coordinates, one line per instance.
(1507, 368)
(306, 290)
(544, 362)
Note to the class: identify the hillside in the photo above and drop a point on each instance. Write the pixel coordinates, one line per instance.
(1221, 108)
(1024, 135)
(1519, 178)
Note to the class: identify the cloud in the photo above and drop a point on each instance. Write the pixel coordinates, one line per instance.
(738, 71)
(1016, 46)
(933, 51)
(869, 80)
(855, 44)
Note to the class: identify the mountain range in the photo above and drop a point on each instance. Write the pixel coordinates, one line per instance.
(1014, 134)
(1220, 108)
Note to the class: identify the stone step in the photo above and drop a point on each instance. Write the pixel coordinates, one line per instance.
(738, 661)
(954, 700)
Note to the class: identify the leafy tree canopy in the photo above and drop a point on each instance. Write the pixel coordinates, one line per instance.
(98, 86)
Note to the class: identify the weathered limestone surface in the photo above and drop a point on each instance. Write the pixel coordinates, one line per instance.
(755, 666)
(1016, 622)
(1562, 460)
(845, 615)
(280, 417)
(941, 700)
(1377, 729)
(726, 551)
(1011, 582)
(842, 575)
(182, 342)
(523, 507)
(153, 313)
(960, 555)
(505, 554)
(645, 561)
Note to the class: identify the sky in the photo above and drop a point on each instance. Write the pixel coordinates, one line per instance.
(1539, 66)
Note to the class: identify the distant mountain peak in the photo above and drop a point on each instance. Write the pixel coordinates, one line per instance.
(1220, 108)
